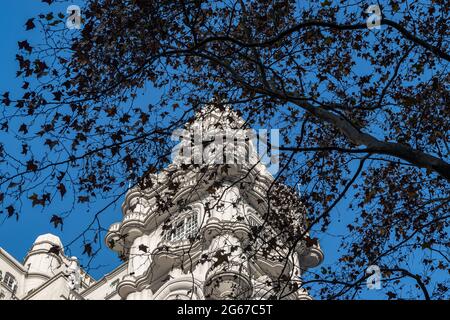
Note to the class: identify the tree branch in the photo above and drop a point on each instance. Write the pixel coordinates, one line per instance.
(413, 276)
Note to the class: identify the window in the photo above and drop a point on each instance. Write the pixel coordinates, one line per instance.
(9, 280)
(252, 222)
(114, 284)
(184, 229)
(113, 288)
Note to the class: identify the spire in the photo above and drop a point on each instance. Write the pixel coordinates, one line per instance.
(218, 135)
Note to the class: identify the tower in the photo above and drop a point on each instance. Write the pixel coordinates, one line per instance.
(41, 263)
(214, 224)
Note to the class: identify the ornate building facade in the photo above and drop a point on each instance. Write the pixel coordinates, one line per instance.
(214, 224)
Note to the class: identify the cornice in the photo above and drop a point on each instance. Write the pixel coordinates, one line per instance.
(148, 218)
(44, 285)
(165, 258)
(12, 261)
(105, 279)
(179, 283)
(46, 252)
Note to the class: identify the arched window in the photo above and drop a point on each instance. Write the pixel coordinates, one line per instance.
(180, 288)
(252, 220)
(9, 280)
(184, 228)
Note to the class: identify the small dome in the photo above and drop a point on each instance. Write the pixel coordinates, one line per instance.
(50, 238)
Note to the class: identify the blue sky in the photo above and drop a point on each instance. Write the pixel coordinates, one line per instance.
(17, 236)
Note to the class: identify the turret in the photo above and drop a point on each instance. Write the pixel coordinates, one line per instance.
(214, 224)
(42, 261)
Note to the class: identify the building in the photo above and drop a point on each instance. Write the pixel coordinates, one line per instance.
(205, 227)
(46, 273)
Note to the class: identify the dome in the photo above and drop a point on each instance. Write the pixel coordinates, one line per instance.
(49, 238)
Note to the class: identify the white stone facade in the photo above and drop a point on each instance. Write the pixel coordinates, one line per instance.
(46, 273)
(185, 234)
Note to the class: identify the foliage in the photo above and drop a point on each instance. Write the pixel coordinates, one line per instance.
(362, 111)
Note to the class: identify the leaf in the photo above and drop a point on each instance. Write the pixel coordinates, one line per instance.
(427, 244)
(36, 201)
(5, 126)
(234, 248)
(203, 258)
(49, 16)
(143, 247)
(395, 7)
(61, 175)
(24, 149)
(30, 24)
(25, 46)
(391, 295)
(57, 220)
(311, 242)
(55, 249)
(83, 199)
(87, 249)
(111, 112)
(31, 166)
(221, 257)
(11, 212)
(111, 243)
(13, 184)
(40, 68)
(51, 143)
(6, 101)
(62, 189)
(23, 128)
(57, 95)
(144, 118)
(125, 118)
